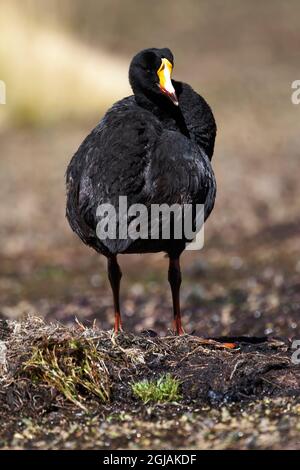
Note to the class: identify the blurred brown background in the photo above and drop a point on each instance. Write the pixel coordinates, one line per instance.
(64, 63)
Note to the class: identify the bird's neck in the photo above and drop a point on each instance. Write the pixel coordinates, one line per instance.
(163, 109)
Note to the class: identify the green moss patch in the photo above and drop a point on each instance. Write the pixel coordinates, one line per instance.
(164, 389)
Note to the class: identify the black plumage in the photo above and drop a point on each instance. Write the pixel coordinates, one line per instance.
(154, 147)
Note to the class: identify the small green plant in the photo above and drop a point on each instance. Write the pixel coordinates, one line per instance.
(164, 389)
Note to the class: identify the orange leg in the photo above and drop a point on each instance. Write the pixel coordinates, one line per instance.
(174, 277)
(114, 276)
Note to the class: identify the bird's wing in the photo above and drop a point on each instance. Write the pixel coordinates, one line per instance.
(111, 162)
(179, 172)
(198, 117)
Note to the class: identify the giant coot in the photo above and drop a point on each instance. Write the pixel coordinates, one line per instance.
(154, 147)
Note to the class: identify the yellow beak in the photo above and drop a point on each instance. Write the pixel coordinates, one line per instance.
(164, 74)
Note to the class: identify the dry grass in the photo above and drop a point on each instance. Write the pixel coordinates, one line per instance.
(70, 366)
(81, 365)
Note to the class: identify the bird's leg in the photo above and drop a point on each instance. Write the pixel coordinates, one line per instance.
(114, 276)
(174, 277)
(175, 282)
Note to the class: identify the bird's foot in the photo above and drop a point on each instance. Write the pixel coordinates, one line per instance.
(230, 345)
(217, 342)
(118, 324)
(180, 332)
(178, 329)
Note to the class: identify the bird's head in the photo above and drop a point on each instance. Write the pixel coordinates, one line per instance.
(150, 74)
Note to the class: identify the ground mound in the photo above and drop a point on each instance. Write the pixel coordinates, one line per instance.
(53, 375)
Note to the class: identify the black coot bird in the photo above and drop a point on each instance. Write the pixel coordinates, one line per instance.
(153, 147)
